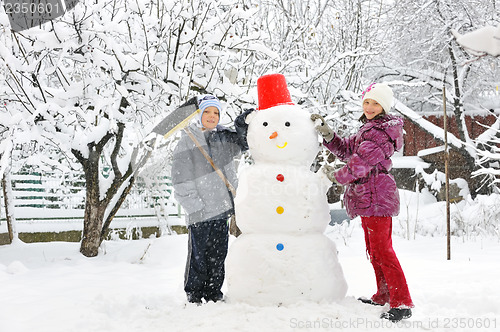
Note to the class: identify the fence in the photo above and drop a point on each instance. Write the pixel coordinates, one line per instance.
(38, 196)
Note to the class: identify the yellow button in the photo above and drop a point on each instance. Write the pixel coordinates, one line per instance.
(280, 210)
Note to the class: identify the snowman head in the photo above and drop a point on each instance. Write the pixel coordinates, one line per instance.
(280, 131)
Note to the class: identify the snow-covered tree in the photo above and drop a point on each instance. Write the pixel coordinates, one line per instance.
(321, 46)
(423, 57)
(94, 81)
(488, 144)
(5, 170)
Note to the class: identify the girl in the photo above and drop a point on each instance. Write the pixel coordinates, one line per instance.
(372, 193)
(206, 199)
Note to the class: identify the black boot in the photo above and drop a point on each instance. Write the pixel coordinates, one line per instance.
(368, 301)
(396, 314)
(215, 297)
(194, 298)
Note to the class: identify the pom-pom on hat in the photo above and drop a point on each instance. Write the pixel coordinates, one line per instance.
(381, 93)
(272, 91)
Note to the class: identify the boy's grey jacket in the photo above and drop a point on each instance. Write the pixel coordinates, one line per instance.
(197, 187)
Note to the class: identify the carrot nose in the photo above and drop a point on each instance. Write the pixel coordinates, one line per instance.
(273, 135)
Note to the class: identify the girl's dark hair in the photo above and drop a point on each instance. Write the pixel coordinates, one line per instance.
(363, 118)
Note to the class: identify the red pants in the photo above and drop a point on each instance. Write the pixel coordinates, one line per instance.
(391, 281)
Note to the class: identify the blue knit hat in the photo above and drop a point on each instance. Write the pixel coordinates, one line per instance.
(207, 101)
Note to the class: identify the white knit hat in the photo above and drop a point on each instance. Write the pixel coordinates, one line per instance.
(381, 93)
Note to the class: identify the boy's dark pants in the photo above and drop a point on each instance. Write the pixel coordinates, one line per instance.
(207, 250)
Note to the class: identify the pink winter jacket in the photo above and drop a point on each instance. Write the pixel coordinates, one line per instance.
(371, 190)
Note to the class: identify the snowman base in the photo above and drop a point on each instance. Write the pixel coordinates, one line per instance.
(283, 269)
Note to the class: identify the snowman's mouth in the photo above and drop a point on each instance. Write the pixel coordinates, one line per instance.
(282, 146)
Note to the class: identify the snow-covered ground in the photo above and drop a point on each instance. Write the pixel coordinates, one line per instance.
(137, 286)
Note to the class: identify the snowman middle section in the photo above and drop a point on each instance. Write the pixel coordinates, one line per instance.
(281, 199)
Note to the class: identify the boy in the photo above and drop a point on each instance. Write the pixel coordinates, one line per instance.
(206, 199)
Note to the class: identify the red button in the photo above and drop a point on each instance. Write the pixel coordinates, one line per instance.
(280, 177)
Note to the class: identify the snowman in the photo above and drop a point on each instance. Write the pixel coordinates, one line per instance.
(282, 255)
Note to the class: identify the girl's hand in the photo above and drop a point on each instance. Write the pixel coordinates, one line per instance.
(330, 173)
(322, 127)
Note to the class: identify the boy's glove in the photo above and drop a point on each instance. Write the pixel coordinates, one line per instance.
(241, 119)
(241, 127)
(323, 128)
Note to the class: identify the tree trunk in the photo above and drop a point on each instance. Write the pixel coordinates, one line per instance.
(9, 214)
(476, 185)
(115, 209)
(91, 237)
(96, 222)
(94, 209)
(457, 99)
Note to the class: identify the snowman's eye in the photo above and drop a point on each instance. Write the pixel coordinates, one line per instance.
(287, 124)
(265, 124)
